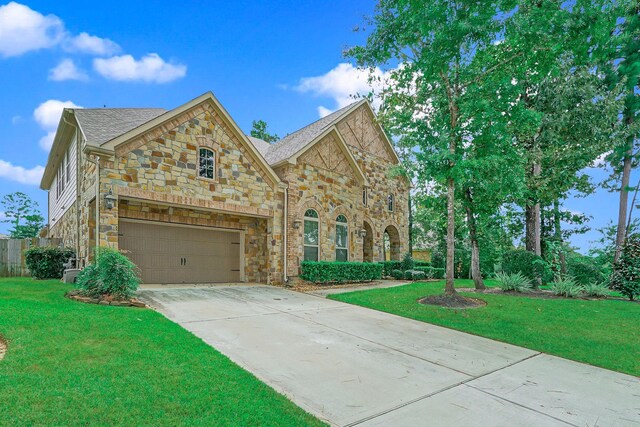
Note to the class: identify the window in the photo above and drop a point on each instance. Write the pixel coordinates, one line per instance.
(342, 237)
(364, 196)
(311, 237)
(390, 203)
(207, 162)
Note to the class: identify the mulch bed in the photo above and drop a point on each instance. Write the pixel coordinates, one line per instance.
(304, 286)
(76, 295)
(452, 301)
(3, 347)
(536, 293)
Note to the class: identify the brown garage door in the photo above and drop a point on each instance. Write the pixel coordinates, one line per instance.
(174, 254)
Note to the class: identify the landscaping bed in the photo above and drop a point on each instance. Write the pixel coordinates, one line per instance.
(601, 332)
(77, 295)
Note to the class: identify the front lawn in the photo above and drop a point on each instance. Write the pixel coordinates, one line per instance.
(604, 333)
(71, 363)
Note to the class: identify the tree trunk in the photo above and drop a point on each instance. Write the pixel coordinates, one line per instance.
(476, 274)
(532, 224)
(449, 288)
(558, 237)
(622, 207)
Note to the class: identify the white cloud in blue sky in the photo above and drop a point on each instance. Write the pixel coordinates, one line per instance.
(149, 69)
(19, 174)
(47, 115)
(342, 84)
(67, 70)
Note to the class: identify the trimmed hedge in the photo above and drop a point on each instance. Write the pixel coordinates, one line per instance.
(389, 266)
(414, 275)
(431, 272)
(340, 272)
(47, 262)
(397, 274)
(422, 264)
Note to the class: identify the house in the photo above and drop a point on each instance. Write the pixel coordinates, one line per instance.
(191, 199)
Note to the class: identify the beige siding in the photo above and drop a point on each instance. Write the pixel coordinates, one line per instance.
(60, 203)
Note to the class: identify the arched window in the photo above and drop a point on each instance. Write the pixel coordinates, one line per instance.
(311, 235)
(207, 163)
(342, 239)
(390, 204)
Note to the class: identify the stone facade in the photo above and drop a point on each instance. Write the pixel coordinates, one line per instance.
(322, 179)
(66, 228)
(153, 176)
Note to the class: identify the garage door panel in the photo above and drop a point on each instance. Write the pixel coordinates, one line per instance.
(158, 250)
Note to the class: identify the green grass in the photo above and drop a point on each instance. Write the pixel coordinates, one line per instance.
(604, 333)
(71, 363)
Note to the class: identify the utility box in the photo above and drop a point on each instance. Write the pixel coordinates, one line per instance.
(70, 274)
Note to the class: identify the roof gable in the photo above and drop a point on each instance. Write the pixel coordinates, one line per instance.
(100, 125)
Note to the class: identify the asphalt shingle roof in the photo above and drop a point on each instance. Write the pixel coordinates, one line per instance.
(292, 143)
(103, 124)
(261, 145)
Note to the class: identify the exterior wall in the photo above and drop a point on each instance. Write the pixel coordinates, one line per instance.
(256, 259)
(367, 143)
(66, 228)
(160, 168)
(86, 203)
(59, 204)
(323, 180)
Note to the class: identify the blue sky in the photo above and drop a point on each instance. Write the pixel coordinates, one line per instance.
(279, 61)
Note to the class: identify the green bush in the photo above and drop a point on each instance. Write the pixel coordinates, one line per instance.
(596, 289)
(112, 274)
(626, 272)
(431, 272)
(567, 288)
(414, 275)
(389, 266)
(525, 262)
(421, 263)
(407, 262)
(340, 272)
(47, 262)
(397, 274)
(585, 271)
(516, 282)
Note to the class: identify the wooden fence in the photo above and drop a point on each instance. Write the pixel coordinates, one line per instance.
(12, 260)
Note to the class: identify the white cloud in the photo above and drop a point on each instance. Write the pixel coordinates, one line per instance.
(150, 68)
(19, 174)
(86, 43)
(47, 115)
(22, 29)
(16, 120)
(342, 83)
(66, 70)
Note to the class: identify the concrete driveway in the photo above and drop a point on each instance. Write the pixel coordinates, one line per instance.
(354, 366)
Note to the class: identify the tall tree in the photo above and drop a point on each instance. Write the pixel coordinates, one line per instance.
(432, 46)
(23, 214)
(625, 69)
(259, 130)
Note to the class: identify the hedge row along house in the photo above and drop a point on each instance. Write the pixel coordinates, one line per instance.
(191, 199)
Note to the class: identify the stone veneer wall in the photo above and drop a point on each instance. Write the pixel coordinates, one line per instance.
(66, 228)
(160, 168)
(255, 244)
(323, 180)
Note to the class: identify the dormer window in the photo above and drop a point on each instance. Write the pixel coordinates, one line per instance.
(207, 163)
(390, 203)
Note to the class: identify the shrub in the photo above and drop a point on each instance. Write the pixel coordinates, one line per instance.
(414, 275)
(596, 289)
(431, 272)
(525, 262)
(585, 271)
(389, 266)
(407, 262)
(626, 272)
(567, 287)
(397, 274)
(340, 272)
(112, 274)
(47, 262)
(516, 282)
(421, 263)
